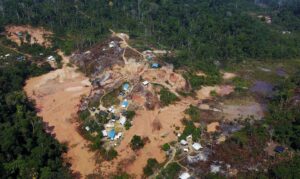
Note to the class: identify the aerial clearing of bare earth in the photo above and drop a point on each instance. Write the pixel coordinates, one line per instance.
(57, 95)
(37, 34)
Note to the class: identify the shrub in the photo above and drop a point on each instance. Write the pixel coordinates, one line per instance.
(151, 166)
(130, 114)
(171, 171)
(127, 125)
(109, 154)
(166, 147)
(136, 142)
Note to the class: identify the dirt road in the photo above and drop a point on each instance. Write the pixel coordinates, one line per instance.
(57, 95)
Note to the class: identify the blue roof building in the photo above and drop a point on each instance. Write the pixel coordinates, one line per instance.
(112, 134)
(126, 87)
(155, 65)
(125, 104)
(279, 149)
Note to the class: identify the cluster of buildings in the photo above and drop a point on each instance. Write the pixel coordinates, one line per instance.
(115, 126)
(189, 146)
(8, 55)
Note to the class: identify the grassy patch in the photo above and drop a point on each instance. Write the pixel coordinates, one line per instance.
(111, 98)
(193, 112)
(197, 82)
(167, 98)
(241, 84)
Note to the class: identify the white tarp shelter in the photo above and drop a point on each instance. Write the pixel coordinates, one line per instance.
(197, 146)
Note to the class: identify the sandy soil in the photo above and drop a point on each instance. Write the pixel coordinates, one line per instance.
(166, 77)
(228, 75)
(201, 73)
(57, 95)
(237, 111)
(38, 35)
(212, 127)
(204, 93)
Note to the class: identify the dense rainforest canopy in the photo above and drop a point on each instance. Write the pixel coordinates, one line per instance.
(200, 31)
(26, 151)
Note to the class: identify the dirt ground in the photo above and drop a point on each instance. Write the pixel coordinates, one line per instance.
(57, 95)
(205, 92)
(38, 35)
(166, 77)
(228, 75)
(253, 109)
(213, 127)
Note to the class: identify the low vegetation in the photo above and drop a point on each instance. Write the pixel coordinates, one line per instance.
(190, 129)
(171, 171)
(166, 97)
(129, 115)
(193, 112)
(111, 98)
(240, 84)
(109, 154)
(197, 82)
